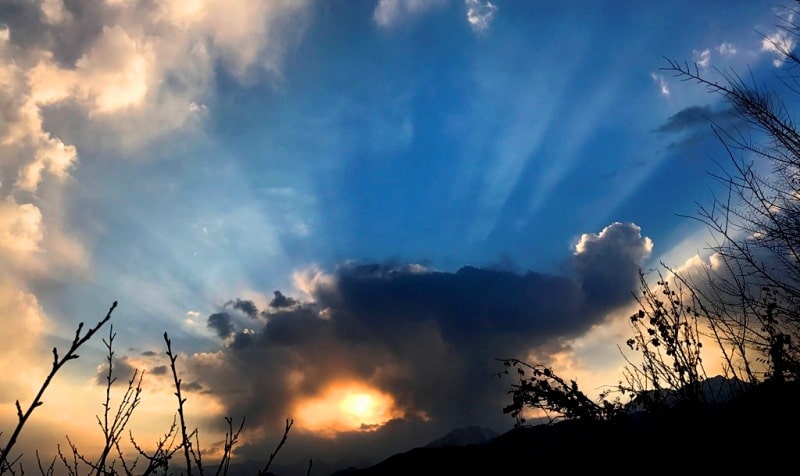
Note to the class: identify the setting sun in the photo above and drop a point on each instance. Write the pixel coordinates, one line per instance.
(346, 406)
(360, 405)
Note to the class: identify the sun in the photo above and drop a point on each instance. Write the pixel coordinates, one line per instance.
(361, 405)
(346, 406)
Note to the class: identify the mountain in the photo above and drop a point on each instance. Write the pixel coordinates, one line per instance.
(471, 435)
(717, 389)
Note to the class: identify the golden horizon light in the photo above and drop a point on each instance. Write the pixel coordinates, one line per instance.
(345, 406)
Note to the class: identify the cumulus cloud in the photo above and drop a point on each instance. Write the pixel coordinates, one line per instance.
(124, 72)
(422, 339)
(220, 323)
(281, 301)
(109, 74)
(246, 306)
(114, 75)
(480, 14)
(20, 228)
(82, 76)
(606, 263)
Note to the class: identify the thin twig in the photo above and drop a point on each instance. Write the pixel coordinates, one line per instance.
(186, 441)
(77, 342)
(289, 423)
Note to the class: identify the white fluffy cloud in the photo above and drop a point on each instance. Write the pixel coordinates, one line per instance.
(146, 72)
(118, 73)
(126, 73)
(779, 42)
(702, 58)
(480, 14)
(20, 227)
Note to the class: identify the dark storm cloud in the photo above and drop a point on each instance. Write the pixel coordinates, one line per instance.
(470, 303)
(430, 339)
(220, 323)
(247, 307)
(281, 301)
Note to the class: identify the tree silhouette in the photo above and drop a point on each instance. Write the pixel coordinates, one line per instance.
(752, 296)
(750, 299)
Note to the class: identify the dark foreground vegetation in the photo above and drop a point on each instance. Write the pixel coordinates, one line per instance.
(665, 413)
(752, 432)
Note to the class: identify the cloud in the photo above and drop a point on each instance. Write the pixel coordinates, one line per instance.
(116, 75)
(727, 49)
(192, 387)
(606, 264)
(390, 13)
(687, 118)
(159, 370)
(24, 325)
(112, 76)
(221, 324)
(121, 372)
(693, 124)
(662, 83)
(414, 339)
(480, 14)
(702, 58)
(780, 42)
(280, 301)
(20, 228)
(247, 306)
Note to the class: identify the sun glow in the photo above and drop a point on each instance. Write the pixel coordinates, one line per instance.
(346, 406)
(360, 405)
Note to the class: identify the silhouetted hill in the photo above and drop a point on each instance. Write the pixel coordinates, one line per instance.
(471, 435)
(754, 431)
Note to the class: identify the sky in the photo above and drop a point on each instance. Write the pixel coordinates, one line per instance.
(342, 212)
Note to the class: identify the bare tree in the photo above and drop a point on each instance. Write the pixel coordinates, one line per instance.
(752, 295)
(749, 297)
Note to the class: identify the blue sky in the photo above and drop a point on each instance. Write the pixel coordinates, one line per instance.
(186, 157)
